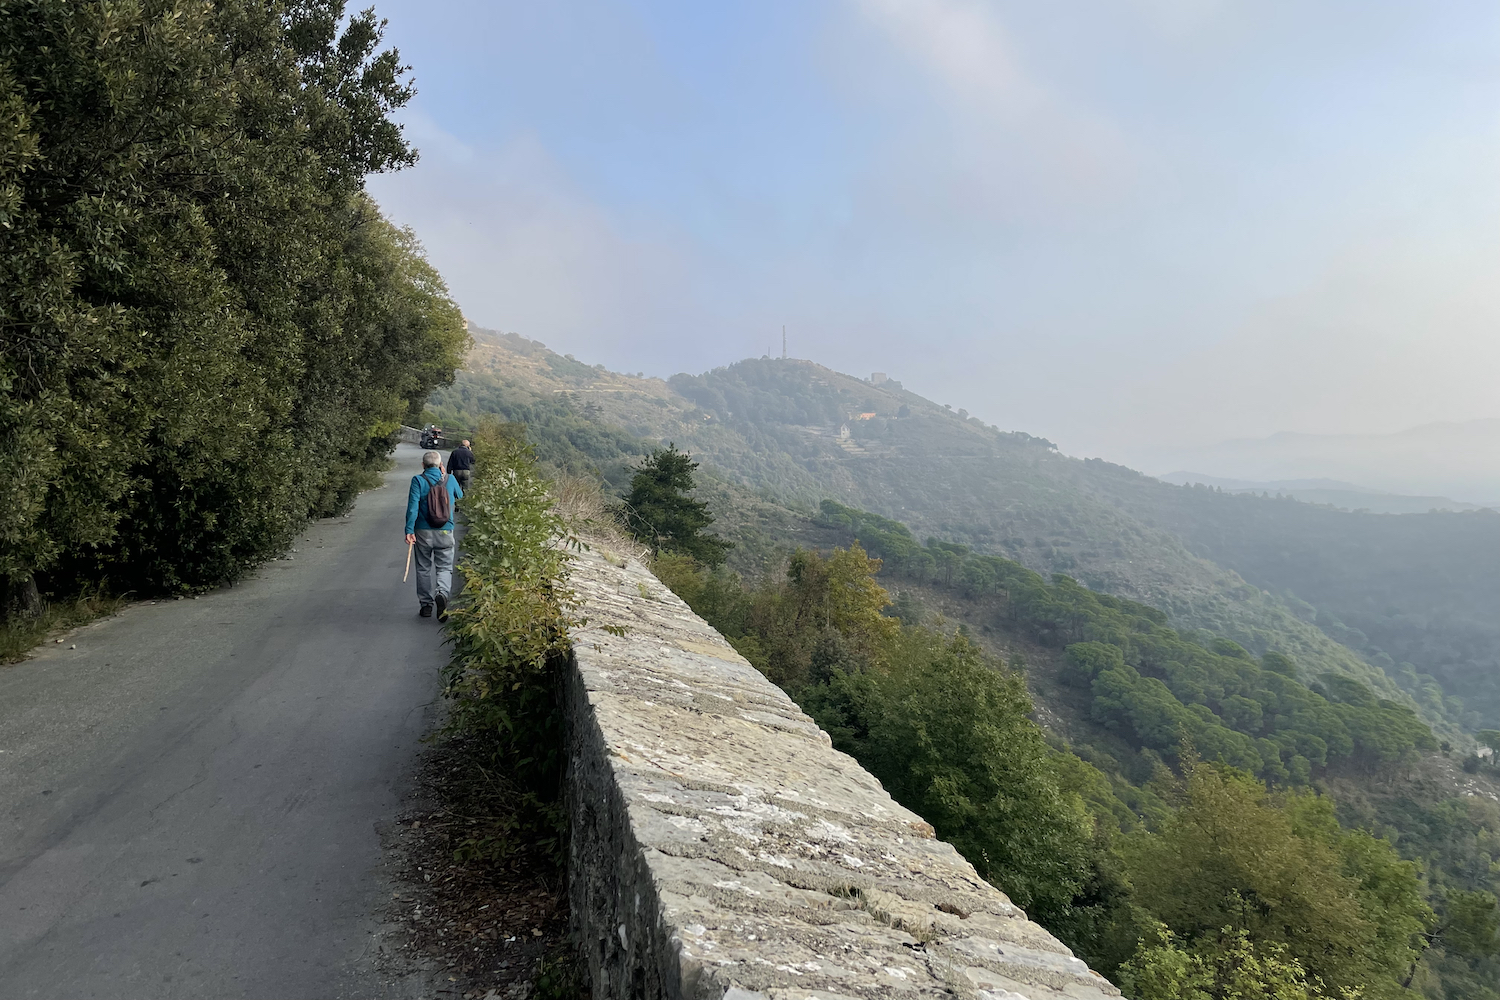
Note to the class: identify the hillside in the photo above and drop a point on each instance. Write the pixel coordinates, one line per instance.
(985, 535)
(1413, 593)
(1436, 809)
(771, 429)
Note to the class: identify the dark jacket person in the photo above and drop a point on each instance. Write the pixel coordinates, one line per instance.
(461, 464)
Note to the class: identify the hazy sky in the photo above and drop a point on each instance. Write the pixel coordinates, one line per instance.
(1126, 225)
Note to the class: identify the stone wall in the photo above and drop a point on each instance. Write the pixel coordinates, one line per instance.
(723, 849)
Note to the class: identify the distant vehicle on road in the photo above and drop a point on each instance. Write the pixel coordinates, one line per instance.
(432, 437)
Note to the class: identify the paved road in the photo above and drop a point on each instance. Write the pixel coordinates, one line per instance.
(189, 799)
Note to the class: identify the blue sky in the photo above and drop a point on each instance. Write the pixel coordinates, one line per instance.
(1134, 227)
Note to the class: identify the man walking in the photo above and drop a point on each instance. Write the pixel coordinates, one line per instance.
(434, 542)
(461, 463)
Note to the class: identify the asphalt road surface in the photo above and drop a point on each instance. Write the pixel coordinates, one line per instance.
(190, 799)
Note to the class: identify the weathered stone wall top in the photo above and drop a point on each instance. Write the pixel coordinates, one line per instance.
(723, 848)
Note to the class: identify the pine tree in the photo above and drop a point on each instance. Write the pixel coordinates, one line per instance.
(660, 512)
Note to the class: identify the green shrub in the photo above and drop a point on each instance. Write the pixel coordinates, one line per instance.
(21, 634)
(510, 630)
(1279, 869)
(1228, 965)
(945, 729)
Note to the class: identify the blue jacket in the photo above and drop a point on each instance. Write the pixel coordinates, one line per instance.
(415, 519)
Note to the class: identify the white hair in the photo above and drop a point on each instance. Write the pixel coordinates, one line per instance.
(431, 459)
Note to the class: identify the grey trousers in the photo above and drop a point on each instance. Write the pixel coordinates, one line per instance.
(434, 558)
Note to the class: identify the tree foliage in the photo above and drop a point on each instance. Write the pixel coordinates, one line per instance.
(660, 511)
(1230, 890)
(209, 332)
(1228, 966)
(943, 725)
(1148, 682)
(946, 731)
(1342, 903)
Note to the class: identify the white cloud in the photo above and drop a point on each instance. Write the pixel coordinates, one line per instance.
(1015, 144)
(525, 251)
(964, 44)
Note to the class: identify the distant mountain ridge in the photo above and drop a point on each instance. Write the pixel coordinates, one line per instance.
(1185, 478)
(1454, 459)
(1330, 492)
(1270, 574)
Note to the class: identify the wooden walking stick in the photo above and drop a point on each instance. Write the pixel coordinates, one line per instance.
(408, 563)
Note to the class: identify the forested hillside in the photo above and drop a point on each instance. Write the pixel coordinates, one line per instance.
(1194, 817)
(1414, 593)
(1339, 592)
(208, 332)
(1359, 857)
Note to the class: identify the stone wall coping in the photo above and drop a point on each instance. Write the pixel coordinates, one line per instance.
(721, 848)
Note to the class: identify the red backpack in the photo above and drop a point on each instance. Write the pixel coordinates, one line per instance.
(437, 505)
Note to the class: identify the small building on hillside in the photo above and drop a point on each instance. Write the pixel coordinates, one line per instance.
(843, 432)
(877, 378)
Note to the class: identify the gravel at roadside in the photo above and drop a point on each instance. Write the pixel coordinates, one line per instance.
(495, 925)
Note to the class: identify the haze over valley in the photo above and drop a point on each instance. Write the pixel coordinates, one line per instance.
(1443, 461)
